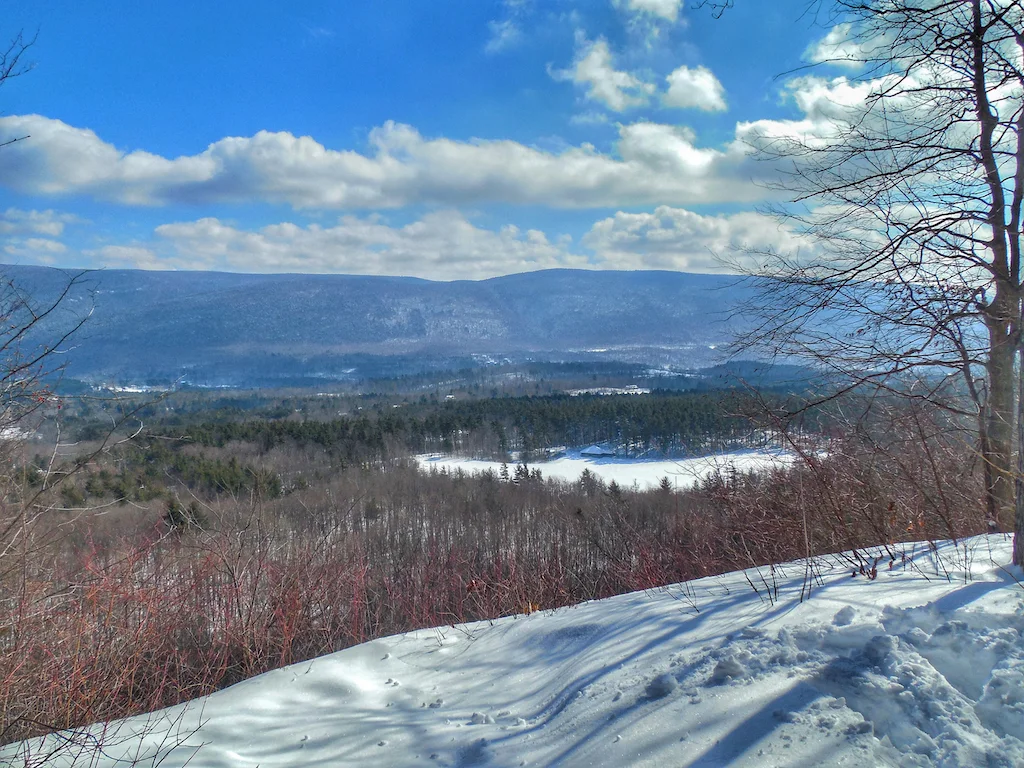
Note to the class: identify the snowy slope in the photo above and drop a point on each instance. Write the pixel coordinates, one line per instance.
(922, 666)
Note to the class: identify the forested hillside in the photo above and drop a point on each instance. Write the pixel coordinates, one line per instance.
(669, 423)
(239, 330)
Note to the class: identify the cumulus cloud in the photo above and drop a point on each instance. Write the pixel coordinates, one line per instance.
(39, 250)
(829, 107)
(653, 163)
(694, 89)
(678, 239)
(31, 236)
(441, 245)
(14, 221)
(60, 158)
(445, 245)
(594, 70)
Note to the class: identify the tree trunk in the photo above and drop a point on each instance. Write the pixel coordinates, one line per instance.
(1018, 526)
(998, 445)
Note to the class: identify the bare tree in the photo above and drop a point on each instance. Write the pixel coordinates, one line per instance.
(908, 186)
(717, 7)
(32, 343)
(13, 64)
(33, 337)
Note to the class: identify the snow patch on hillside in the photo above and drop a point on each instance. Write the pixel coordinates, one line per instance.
(645, 473)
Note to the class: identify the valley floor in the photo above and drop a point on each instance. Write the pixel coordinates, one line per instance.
(922, 666)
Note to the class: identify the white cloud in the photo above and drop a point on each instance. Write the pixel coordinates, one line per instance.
(58, 158)
(653, 164)
(445, 245)
(594, 70)
(31, 236)
(829, 107)
(133, 257)
(14, 221)
(34, 249)
(678, 239)
(839, 48)
(505, 34)
(44, 245)
(662, 9)
(441, 245)
(590, 117)
(694, 88)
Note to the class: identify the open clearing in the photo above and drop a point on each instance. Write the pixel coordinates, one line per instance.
(682, 473)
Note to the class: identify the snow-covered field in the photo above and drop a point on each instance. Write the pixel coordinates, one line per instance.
(923, 666)
(683, 473)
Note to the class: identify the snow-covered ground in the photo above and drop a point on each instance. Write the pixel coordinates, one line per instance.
(922, 666)
(683, 473)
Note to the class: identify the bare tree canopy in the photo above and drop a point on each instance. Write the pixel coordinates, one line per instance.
(718, 7)
(13, 64)
(906, 184)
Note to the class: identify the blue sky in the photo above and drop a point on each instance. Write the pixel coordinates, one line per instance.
(453, 140)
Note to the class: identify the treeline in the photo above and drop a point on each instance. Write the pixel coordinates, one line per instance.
(664, 422)
(225, 455)
(145, 471)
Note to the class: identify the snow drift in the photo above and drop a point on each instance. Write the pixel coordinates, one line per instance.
(921, 666)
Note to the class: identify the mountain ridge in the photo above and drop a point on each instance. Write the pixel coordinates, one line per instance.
(225, 326)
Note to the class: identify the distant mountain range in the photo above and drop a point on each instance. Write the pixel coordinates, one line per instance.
(220, 329)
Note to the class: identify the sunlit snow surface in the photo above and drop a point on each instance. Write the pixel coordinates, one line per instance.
(922, 666)
(682, 473)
